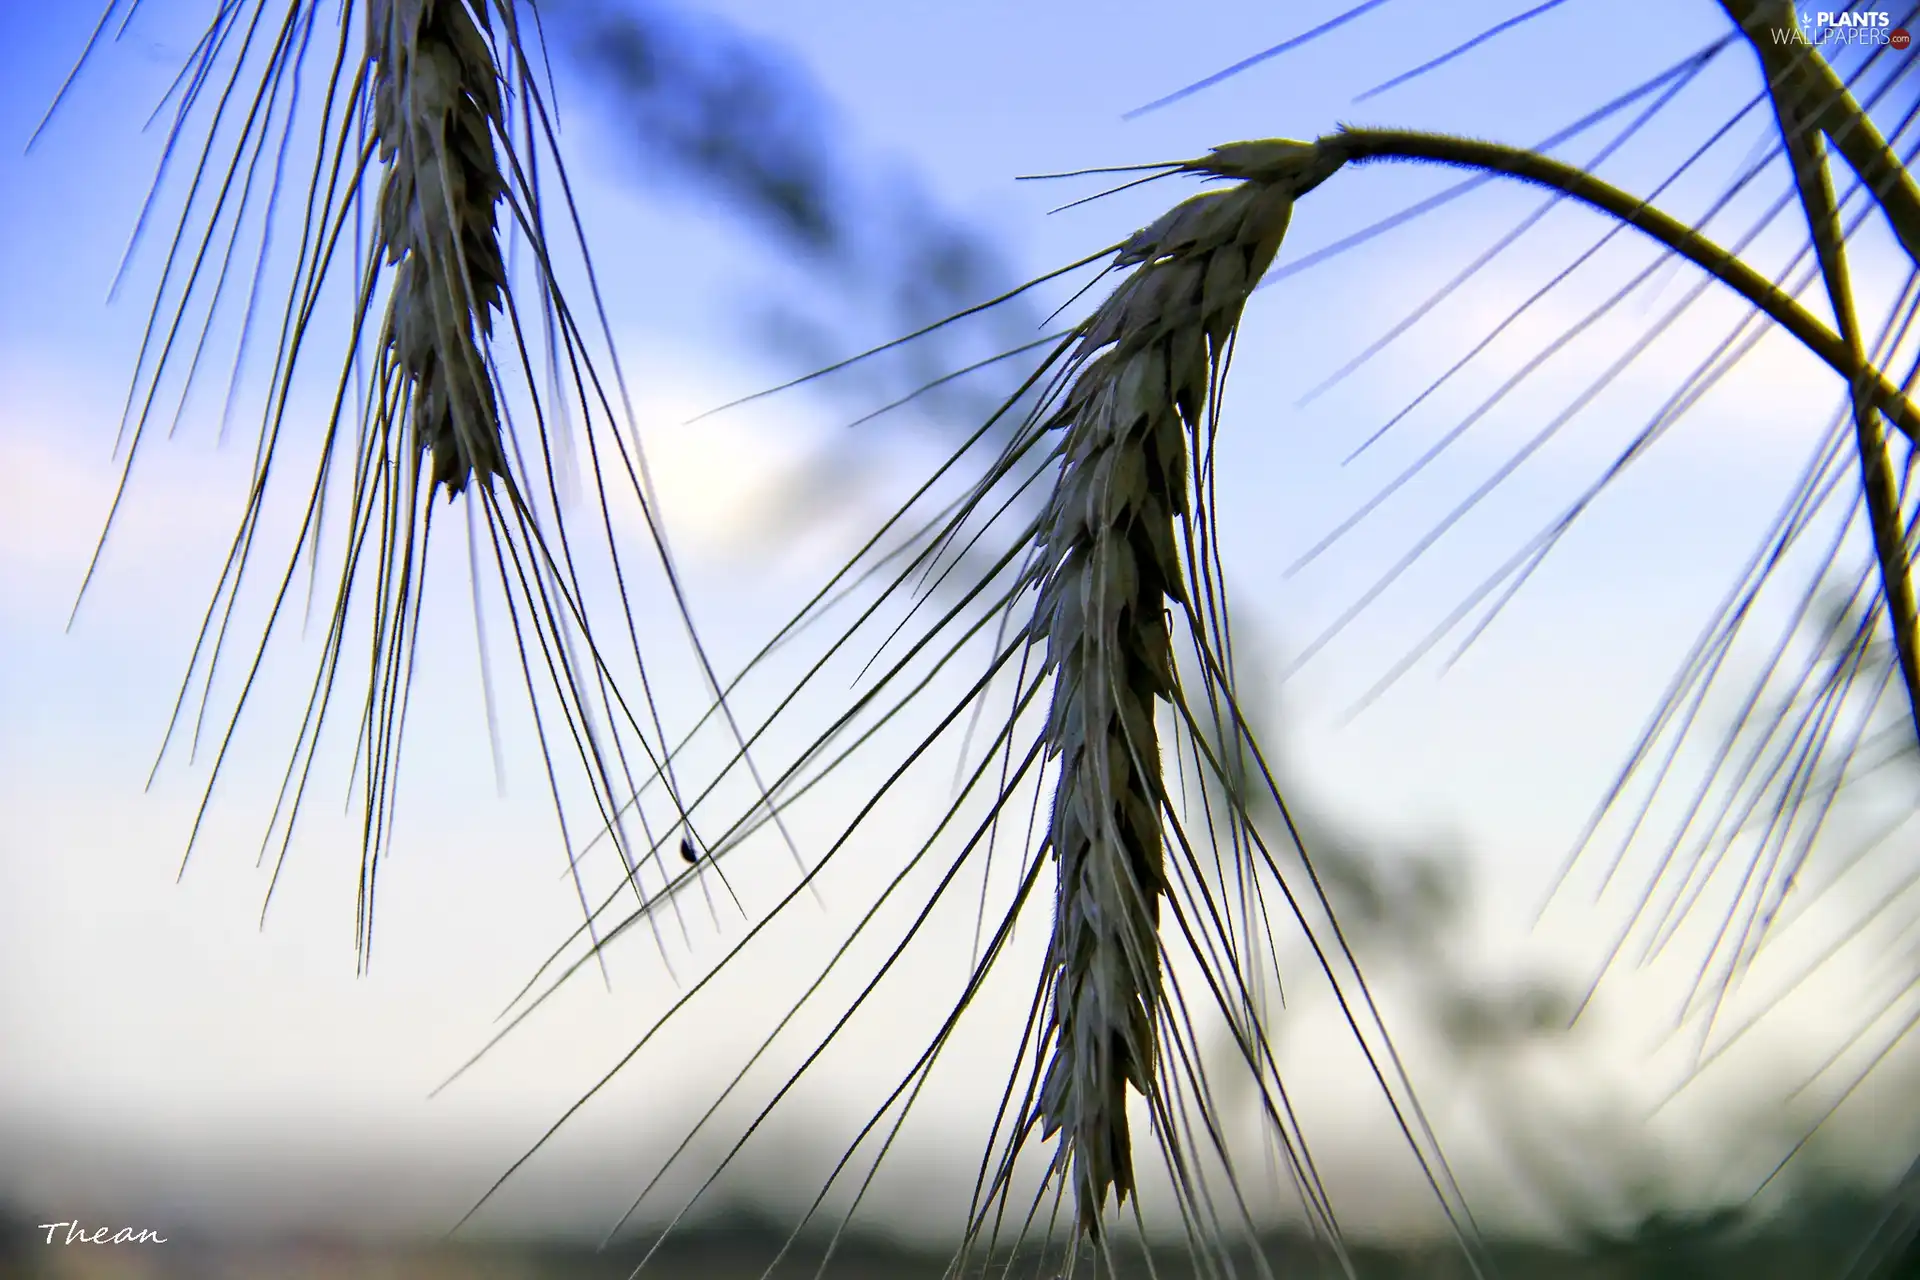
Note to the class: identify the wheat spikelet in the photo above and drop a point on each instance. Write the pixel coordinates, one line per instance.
(1108, 567)
(436, 98)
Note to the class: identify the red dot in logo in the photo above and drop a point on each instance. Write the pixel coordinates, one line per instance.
(1899, 38)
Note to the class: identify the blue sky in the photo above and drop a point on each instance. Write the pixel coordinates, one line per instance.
(138, 1017)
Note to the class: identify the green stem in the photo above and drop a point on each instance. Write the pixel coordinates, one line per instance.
(1806, 149)
(1798, 74)
(1362, 145)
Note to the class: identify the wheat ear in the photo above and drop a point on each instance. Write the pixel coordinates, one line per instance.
(436, 100)
(431, 108)
(1108, 567)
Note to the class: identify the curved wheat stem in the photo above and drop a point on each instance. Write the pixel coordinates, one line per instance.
(1363, 145)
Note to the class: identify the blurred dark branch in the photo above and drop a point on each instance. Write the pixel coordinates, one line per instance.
(733, 117)
(727, 112)
(728, 116)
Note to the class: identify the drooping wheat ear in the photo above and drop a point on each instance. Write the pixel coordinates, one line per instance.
(433, 109)
(436, 100)
(1108, 567)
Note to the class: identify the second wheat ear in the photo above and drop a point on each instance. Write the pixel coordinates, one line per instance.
(1108, 567)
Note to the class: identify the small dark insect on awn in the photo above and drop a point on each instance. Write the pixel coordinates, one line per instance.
(688, 853)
